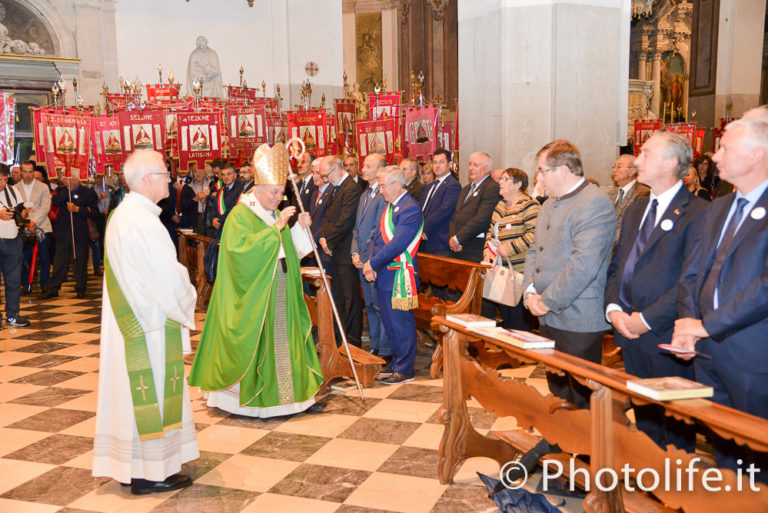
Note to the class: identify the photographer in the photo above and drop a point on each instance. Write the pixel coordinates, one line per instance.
(36, 194)
(11, 252)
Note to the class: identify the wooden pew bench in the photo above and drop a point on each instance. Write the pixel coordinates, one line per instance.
(334, 360)
(462, 277)
(603, 433)
(192, 248)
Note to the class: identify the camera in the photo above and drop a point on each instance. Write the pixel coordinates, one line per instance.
(18, 215)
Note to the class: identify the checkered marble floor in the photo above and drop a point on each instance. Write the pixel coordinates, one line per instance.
(380, 455)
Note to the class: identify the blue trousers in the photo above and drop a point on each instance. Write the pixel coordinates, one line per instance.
(11, 256)
(400, 325)
(379, 339)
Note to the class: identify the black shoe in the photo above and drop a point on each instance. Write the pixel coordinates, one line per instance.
(374, 352)
(397, 378)
(80, 294)
(530, 460)
(386, 370)
(315, 408)
(143, 487)
(48, 294)
(16, 321)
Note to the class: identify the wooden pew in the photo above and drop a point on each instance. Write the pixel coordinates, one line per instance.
(334, 360)
(457, 275)
(192, 248)
(603, 432)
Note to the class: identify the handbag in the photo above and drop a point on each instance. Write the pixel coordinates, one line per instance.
(503, 285)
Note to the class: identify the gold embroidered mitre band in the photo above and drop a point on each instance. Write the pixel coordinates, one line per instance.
(270, 165)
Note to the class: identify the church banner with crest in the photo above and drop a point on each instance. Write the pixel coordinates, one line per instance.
(309, 126)
(446, 136)
(142, 130)
(162, 93)
(376, 137)
(241, 94)
(277, 129)
(199, 138)
(643, 130)
(421, 131)
(39, 131)
(345, 126)
(105, 136)
(385, 105)
(67, 143)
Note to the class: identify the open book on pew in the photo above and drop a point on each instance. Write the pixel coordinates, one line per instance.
(521, 339)
(669, 388)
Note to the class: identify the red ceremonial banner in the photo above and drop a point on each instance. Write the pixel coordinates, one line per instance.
(446, 136)
(643, 130)
(142, 130)
(331, 137)
(717, 134)
(105, 135)
(421, 131)
(7, 118)
(67, 143)
(39, 131)
(345, 126)
(385, 105)
(698, 141)
(376, 137)
(199, 138)
(247, 125)
(117, 100)
(277, 129)
(162, 93)
(309, 126)
(240, 94)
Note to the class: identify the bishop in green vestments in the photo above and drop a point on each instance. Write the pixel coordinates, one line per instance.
(256, 355)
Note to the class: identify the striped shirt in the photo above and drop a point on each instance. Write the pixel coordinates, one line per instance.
(516, 228)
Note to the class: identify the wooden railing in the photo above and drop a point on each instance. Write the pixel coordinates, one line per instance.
(192, 248)
(603, 433)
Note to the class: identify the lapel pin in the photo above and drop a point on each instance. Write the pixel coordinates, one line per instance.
(320, 202)
(667, 225)
(474, 194)
(757, 213)
(677, 211)
(397, 209)
(74, 196)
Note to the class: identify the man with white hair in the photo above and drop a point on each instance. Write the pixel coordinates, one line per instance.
(144, 425)
(474, 209)
(259, 359)
(723, 292)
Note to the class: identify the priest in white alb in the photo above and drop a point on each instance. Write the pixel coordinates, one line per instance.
(144, 425)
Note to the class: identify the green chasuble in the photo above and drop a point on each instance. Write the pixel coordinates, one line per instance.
(237, 344)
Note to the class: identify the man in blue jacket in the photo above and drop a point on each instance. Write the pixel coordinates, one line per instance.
(438, 205)
(392, 264)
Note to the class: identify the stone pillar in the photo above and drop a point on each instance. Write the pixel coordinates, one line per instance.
(532, 73)
(656, 77)
(641, 65)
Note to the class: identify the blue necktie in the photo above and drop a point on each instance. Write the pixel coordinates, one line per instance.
(713, 278)
(634, 254)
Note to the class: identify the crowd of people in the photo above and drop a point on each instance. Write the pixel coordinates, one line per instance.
(674, 253)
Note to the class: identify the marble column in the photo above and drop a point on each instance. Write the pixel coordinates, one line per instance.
(656, 77)
(641, 65)
(534, 71)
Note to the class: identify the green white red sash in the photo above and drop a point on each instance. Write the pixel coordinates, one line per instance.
(405, 295)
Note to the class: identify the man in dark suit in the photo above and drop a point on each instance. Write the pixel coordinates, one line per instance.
(80, 202)
(438, 205)
(352, 167)
(413, 185)
(181, 205)
(317, 205)
(369, 212)
(474, 209)
(226, 197)
(305, 185)
(640, 293)
(398, 244)
(336, 241)
(723, 296)
(627, 189)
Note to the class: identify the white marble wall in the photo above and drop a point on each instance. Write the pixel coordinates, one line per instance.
(536, 70)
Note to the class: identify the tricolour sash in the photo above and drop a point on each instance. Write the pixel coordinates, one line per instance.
(405, 296)
(146, 410)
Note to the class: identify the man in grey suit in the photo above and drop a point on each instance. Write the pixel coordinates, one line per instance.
(627, 189)
(369, 212)
(36, 195)
(567, 264)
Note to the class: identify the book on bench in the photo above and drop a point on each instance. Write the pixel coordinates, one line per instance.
(669, 388)
(521, 339)
(469, 320)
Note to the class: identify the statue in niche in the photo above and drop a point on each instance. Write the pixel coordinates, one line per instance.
(204, 64)
(17, 46)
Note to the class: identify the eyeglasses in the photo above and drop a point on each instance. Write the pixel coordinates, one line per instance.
(167, 175)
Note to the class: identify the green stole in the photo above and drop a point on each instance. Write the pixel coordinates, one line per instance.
(145, 408)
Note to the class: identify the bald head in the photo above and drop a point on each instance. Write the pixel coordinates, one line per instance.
(140, 164)
(760, 113)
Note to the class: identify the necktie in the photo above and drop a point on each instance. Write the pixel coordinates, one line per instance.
(634, 254)
(303, 186)
(471, 191)
(620, 197)
(335, 190)
(429, 196)
(709, 290)
(319, 197)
